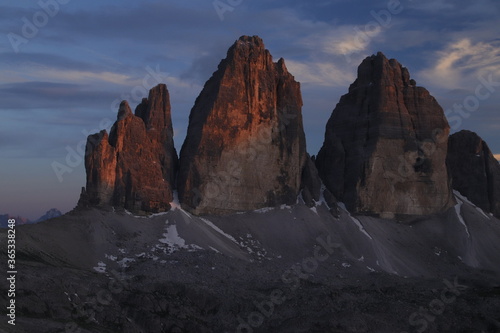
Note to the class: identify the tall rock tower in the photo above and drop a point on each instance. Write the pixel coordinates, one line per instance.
(385, 145)
(134, 167)
(474, 170)
(245, 144)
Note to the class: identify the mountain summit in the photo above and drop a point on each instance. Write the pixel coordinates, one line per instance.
(134, 167)
(245, 146)
(385, 145)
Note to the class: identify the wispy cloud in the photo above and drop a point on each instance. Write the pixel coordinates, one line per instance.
(76, 76)
(323, 74)
(341, 40)
(461, 61)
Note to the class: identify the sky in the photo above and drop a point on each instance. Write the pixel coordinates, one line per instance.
(65, 65)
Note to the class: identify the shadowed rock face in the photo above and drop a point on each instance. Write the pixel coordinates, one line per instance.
(245, 145)
(134, 167)
(385, 145)
(474, 170)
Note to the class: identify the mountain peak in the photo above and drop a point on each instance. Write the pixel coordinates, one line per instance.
(50, 214)
(247, 119)
(250, 41)
(133, 168)
(387, 136)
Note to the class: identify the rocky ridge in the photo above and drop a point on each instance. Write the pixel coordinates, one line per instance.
(384, 152)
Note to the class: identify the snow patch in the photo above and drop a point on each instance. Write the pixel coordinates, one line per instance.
(110, 257)
(285, 206)
(172, 237)
(175, 204)
(463, 198)
(100, 268)
(124, 263)
(346, 265)
(136, 216)
(314, 210)
(174, 242)
(322, 199)
(158, 214)
(214, 249)
(482, 212)
(458, 208)
(217, 229)
(355, 220)
(264, 210)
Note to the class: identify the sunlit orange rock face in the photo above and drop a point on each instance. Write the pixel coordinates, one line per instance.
(385, 145)
(134, 167)
(245, 145)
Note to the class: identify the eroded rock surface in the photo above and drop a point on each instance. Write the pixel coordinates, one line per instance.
(385, 145)
(245, 145)
(134, 166)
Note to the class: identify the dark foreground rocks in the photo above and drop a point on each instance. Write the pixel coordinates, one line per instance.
(294, 269)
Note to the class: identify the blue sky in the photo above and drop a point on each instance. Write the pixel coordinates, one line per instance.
(64, 68)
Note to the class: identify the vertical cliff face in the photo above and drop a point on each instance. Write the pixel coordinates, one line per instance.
(474, 170)
(385, 145)
(134, 167)
(245, 145)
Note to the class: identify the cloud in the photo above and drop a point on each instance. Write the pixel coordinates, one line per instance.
(322, 74)
(50, 95)
(462, 61)
(342, 40)
(434, 6)
(497, 156)
(83, 76)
